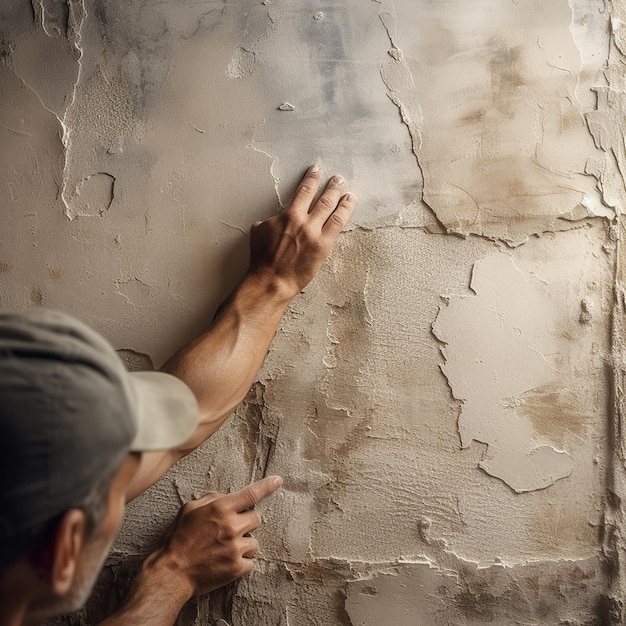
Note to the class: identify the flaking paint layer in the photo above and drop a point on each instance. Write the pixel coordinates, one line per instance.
(436, 403)
(500, 344)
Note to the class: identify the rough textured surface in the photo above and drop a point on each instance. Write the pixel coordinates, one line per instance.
(446, 400)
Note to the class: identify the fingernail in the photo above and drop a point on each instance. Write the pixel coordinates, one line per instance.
(314, 169)
(338, 180)
(278, 481)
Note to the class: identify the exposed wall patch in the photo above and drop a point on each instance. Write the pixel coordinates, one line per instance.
(508, 156)
(53, 15)
(499, 344)
(241, 63)
(352, 410)
(136, 361)
(416, 593)
(93, 196)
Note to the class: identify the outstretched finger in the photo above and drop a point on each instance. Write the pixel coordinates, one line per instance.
(247, 497)
(307, 189)
(327, 202)
(340, 216)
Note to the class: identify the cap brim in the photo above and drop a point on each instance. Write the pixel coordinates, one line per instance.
(167, 411)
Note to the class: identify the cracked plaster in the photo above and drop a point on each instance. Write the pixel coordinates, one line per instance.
(513, 316)
(435, 120)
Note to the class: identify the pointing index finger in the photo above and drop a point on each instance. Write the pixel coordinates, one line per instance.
(247, 497)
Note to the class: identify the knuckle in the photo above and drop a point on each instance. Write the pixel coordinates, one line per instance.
(232, 555)
(249, 496)
(229, 532)
(306, 188)
(219, 508)
(314, 246)
(308, 231)
(337, 219)
(293, 220)
(326, 202)
(189, 506)
(313, 239)
(206, 499)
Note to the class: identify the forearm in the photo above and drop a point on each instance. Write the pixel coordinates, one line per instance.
(219, 366)
(222, 363)
(158, 596)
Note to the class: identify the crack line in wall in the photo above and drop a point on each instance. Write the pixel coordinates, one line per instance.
(265, 443)
(608, 129)
(473, 181)
(390, 74)
(77, 16)
(62, 20)
(273, 167)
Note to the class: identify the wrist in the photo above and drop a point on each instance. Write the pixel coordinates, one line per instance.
(267, 288)
(160, 592)
(161, 570)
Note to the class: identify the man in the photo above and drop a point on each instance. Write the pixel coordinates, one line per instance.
(80, 437)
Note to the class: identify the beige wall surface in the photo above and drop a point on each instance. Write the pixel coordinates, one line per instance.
(444, 401)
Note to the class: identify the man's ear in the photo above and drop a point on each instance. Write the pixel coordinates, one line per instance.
(65, 550)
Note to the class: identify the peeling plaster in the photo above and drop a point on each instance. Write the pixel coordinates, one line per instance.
(607, 127)
(494, 160)
(93, 197)
(417, 594)
(401, 87)
(136, 361)
(179, 124)
(133, 290)
(499, 344)
(53, 17)
(333, 65)
(241, 64)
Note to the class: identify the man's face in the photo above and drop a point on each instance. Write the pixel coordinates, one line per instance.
(97, 544)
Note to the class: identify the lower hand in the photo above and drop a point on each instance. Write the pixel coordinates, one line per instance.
(209, 543)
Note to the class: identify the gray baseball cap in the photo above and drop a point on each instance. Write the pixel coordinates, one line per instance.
(70, 412)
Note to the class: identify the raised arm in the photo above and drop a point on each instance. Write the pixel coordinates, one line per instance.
(221, 364)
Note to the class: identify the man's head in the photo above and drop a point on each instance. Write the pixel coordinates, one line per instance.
(73, 423)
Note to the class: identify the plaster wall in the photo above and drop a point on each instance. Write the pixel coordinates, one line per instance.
(444, 401)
